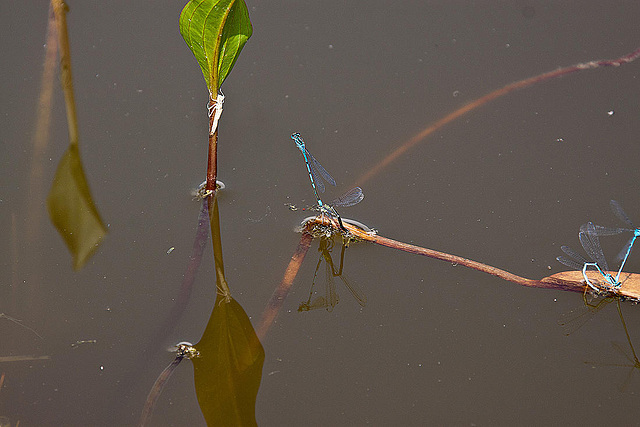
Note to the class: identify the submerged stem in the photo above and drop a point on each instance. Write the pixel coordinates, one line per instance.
(280, 294)
(153, 395)
(419, 137)
(60, 10)
(214, 221)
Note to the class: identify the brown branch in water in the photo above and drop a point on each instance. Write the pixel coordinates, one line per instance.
(490, 97)
(572, 281)
(181, 300)
(186, 286)
(280, 294)
(475, 265)
(153, 395)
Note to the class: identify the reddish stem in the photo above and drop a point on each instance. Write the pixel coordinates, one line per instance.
(212, 163)
(572, 283)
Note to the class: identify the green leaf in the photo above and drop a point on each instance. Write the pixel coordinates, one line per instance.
(228, 370)
(72, 211)
(215, 31)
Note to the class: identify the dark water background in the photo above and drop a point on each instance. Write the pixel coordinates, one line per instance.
(507, 185)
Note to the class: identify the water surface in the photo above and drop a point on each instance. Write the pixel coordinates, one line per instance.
(507, 184)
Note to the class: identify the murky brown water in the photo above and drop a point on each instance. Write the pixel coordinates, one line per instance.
(506, 184)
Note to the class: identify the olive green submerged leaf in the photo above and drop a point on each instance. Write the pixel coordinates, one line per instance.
(215, 31)
(228, 370)
(72, 211)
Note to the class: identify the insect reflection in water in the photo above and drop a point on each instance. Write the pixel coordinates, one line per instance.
(574, 321)
(330, 299)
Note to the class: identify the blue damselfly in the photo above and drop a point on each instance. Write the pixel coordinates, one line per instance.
(600, 230)
(591, 244)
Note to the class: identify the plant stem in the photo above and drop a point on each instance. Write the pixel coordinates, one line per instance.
(60, 10)
(153, 395)
(572, 281)
(212, 163)
(214, 220)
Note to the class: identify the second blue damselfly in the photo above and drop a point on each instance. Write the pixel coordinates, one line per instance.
(591, 244)
(600, 230)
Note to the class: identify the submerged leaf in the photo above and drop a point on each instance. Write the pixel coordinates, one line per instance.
(72, 211)
(215, 31)
(228, 370)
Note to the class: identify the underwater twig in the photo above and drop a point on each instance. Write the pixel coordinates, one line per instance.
(188, 278)
(157, 389)
(487, 98)
(186, 288)
(280, 294)
(183, 350)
